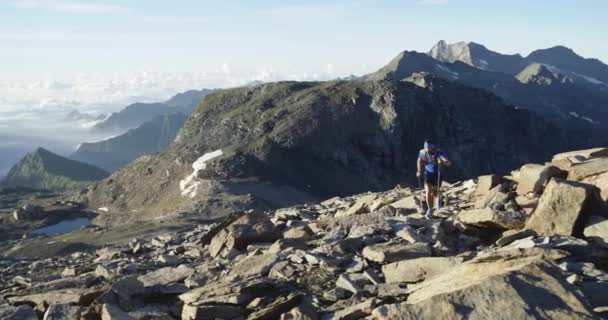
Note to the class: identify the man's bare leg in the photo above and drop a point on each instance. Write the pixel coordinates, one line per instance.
(430, 198)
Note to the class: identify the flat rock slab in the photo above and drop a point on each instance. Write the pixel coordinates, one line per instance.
(258, 265)
(491, 218)
(361, 206)
(415, 270)
(586, 169)
(561, 205)
(496, 290)
(165, 276)
(390, 252)
(212, 312)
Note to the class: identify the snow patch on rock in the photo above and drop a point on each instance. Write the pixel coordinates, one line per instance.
(578, 116)
(104, 209)
(590, 79)
(190, 184)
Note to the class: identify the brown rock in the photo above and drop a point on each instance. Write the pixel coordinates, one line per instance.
(600, 181)
(587, 154)
(391, 252)
(415, 270)
(580, 171)
(491, 218)
(497, 289)
(258, 265)
(361, 206)
(252, 227)
(561, 205)
(534, 177)
(212, 312)
(487, 183)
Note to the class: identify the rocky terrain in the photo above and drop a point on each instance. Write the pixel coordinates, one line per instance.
(531, 244)
(279, 144)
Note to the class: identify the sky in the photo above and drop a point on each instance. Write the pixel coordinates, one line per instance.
(96, 56)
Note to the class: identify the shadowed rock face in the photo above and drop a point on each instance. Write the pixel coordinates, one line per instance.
(289, 141)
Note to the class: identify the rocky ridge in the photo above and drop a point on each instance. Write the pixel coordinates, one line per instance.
(533, 243)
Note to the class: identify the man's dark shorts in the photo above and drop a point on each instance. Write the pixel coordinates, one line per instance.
(430, 178)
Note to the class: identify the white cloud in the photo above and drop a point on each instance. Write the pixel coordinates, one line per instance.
(72, 6)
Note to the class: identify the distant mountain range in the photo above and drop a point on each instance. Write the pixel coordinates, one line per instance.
(42, 169)
(143, 128)
(150, 137)
(559, 91)
(136, 114)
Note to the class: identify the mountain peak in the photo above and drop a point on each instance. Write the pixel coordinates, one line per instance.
(540, 74)
(43, 169)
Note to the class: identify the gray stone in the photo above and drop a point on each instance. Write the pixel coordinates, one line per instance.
(168, 259)
(103, 272)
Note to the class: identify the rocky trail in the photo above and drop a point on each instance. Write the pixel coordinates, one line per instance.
(529, 245)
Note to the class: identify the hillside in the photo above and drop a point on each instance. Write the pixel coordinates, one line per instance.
(291, 141)
(42, 169)
(150, 137)
(527, 246)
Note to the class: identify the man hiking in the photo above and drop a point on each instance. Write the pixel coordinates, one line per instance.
(430, 159)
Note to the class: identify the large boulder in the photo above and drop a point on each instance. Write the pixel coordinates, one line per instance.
(561, 206)
(492, 218)
(415, 270)
(253, 227)
(533, 177)
(493, 288)
(589, 168)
